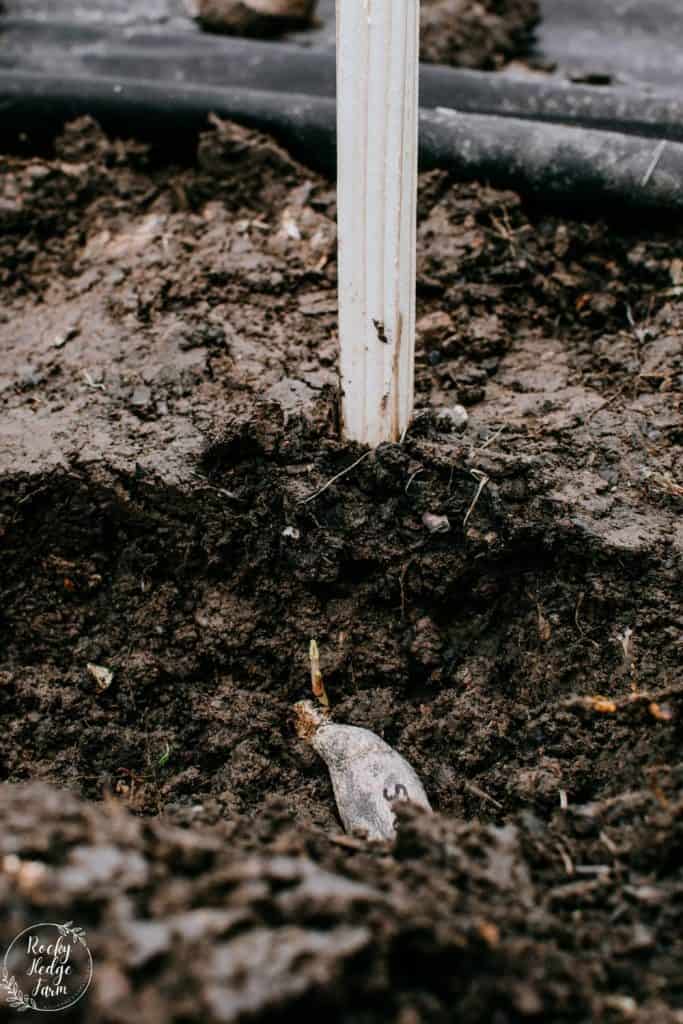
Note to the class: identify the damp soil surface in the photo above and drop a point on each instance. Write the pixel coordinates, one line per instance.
(502, 603)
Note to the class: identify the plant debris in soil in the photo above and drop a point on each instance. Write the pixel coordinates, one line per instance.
(178, 518)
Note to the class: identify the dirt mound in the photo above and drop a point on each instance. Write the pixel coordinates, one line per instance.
(528, 921)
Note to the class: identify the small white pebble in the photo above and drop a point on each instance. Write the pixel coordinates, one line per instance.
(454, 417)
(102, 676)
(291, 533)
(436, 524)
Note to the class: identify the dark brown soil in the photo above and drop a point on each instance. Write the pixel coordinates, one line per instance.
(235, 18)
(167, 418)
(485, 34)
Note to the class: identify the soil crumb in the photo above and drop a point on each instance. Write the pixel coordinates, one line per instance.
(484, 35)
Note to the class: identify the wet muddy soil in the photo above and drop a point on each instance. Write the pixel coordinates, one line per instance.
(167, 440)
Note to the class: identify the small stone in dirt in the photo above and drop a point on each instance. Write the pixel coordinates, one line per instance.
(291, 533)
(453, 417)
(141, 396)
(436, 524)
(72, 331)
(102, 676)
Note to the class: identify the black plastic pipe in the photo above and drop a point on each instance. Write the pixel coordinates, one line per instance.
(195, 58)
(282, 68)
(587, 168)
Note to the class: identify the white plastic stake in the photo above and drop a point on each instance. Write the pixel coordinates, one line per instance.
(377, 109)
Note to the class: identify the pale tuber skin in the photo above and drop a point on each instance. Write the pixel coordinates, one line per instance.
(368, 776)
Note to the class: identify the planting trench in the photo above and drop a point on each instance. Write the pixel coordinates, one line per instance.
(168, 432)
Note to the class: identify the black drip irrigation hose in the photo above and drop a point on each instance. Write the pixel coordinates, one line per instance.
(583, 167)
(289, 69)
(204, 60)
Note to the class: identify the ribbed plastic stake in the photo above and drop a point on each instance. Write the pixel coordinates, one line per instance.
(377, 109)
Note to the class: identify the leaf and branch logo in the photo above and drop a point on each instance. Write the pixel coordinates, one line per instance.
(67, 931)
(47, 967)
(15, 997)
